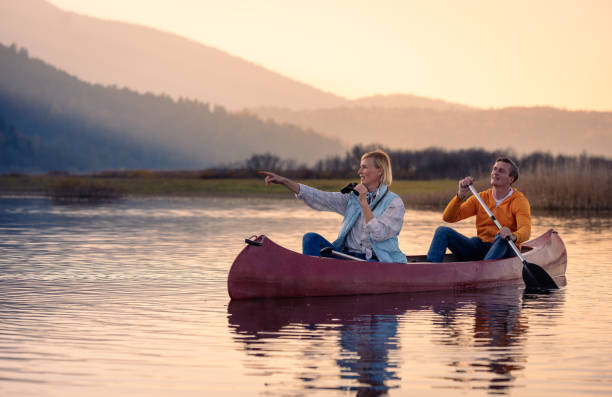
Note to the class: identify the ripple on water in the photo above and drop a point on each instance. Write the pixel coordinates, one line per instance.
(131, 299)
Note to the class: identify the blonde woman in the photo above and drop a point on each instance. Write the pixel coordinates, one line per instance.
(372, 219)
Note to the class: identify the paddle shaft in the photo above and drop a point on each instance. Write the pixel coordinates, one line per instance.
(331, 251)
(499, 226)
(346, 256)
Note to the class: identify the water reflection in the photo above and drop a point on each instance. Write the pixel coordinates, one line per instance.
(365, 341)
(366, 329)
(367, 335)
(501, 325)
(498, 334)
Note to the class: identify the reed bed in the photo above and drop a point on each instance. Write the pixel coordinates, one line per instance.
(548, 187)
(568, 187)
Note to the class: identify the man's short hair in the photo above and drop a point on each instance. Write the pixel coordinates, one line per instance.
(514, 169)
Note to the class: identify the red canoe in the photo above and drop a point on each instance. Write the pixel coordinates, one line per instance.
(270, 270)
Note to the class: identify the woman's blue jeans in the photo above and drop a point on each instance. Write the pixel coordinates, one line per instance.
(464, 248)
(312, 243)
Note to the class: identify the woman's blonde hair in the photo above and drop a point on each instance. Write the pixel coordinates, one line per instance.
(381, 160)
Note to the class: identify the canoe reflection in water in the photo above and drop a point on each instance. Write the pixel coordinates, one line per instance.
(367, 327)
(368, 330)
(488, 351)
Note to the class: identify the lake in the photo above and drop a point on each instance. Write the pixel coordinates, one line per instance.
(130, 299)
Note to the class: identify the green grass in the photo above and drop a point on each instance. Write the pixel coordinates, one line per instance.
(21, 184)
(416, 194)
(569, 190)
(165, 186)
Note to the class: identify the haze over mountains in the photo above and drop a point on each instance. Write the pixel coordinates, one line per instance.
(148, 60)
(525, 130)
(50, 120)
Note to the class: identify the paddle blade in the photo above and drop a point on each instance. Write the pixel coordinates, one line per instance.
(536, 278)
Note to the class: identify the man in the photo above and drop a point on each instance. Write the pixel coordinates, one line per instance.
(510, 207)
(372, 220)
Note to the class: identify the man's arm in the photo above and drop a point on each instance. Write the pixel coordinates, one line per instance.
(523, 220)
(457, 209)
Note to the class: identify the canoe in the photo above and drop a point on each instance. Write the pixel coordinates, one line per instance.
(264, 269)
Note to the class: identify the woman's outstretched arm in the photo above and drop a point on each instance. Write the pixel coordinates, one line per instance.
(271, 177)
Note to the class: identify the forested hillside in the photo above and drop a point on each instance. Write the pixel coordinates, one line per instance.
(54, 121)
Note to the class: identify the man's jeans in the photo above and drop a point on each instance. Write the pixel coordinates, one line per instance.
(313, 242)
(464, 248)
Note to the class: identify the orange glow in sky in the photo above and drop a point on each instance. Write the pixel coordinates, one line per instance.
(476, 52)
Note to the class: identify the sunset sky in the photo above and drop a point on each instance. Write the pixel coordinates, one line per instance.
(477, 52)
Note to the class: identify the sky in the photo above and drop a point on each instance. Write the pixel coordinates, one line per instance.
(482, 53)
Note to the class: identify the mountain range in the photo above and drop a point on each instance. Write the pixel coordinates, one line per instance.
(152, 63)
(50, 120)
(522, 129)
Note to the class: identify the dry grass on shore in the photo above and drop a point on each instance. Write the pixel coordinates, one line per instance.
(568, 187)
(81, 189)
(564, 187)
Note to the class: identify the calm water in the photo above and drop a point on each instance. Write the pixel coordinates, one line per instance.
(130, 299)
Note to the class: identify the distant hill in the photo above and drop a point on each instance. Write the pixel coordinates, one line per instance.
(405, 101)
(523, 129)
(50, 120)
(148, 60)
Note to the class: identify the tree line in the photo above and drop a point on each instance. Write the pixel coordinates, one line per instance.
(427, 164)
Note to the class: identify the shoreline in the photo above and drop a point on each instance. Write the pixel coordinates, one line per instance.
(541, 212)
(416, 194)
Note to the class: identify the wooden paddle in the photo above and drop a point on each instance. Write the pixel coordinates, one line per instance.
(534, 276)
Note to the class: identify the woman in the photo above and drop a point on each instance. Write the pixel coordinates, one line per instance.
(372, 220)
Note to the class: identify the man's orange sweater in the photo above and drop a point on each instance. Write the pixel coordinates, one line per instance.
(514, 212)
